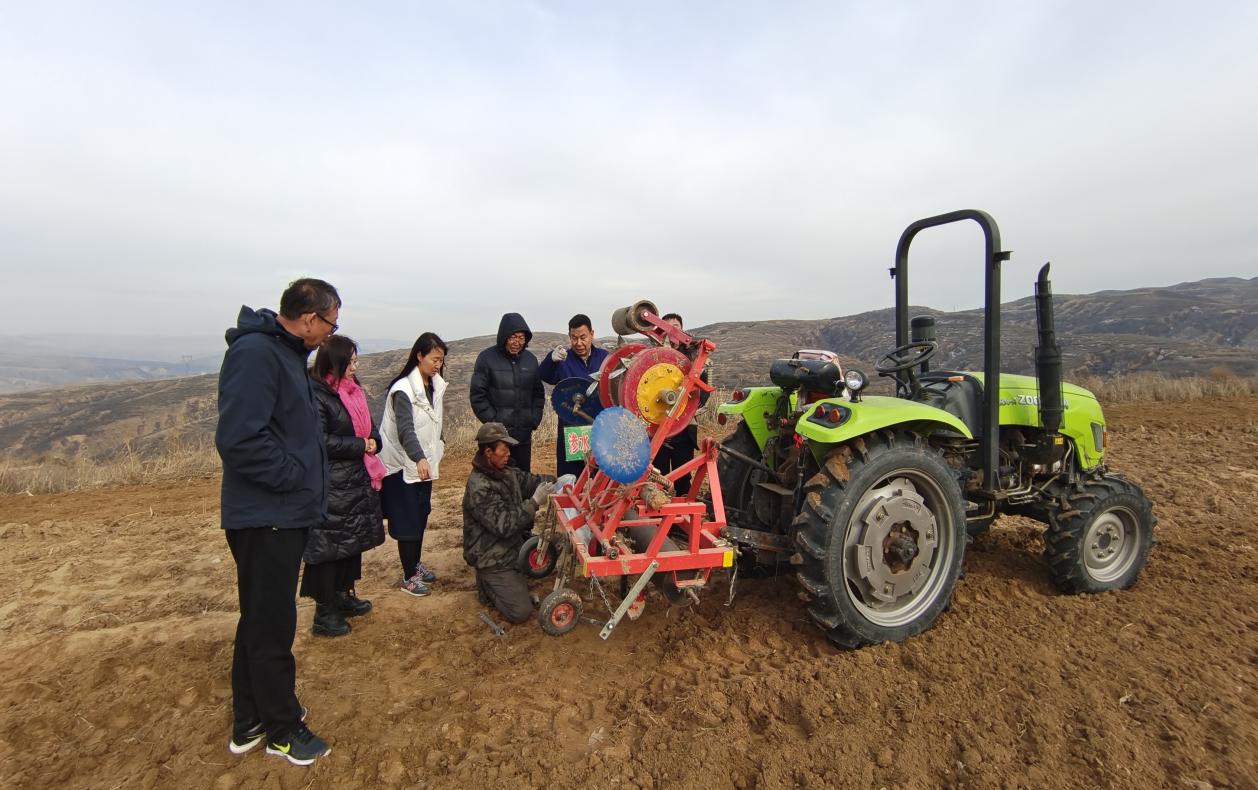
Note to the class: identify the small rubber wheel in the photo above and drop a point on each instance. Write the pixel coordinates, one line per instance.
(533, 563)
(560, 612)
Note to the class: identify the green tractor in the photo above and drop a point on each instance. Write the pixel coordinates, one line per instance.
(871, 500)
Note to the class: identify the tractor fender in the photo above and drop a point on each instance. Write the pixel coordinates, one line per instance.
(872, 413)
(756, 408)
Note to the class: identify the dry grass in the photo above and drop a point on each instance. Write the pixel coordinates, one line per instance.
(50, 475)
(1157, 387)
(181, 460)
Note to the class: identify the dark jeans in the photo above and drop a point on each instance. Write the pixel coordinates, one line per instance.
(264, 672)
(507, 591)
(522, 455)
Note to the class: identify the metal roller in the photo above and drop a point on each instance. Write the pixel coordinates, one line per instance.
(628, 320)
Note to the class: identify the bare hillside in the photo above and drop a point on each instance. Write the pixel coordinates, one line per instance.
(1201, 328)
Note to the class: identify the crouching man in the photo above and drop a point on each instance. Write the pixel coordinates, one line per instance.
(498, 508)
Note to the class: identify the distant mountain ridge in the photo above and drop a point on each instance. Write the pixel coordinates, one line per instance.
(1195, 328)
(31, 362)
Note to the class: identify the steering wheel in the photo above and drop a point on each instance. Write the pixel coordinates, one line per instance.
(903, 358)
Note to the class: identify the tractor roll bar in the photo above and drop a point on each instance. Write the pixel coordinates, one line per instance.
(993, 255)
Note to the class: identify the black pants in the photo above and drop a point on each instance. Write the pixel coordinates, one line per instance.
(507, 591)
(522, 454)
(408, 551)
(323, 580)
(676, 451)
(264, 672)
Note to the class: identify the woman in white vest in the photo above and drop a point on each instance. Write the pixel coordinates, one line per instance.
(411, 449)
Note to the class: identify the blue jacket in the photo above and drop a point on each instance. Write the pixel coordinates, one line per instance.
(275, 467)
(553, 372)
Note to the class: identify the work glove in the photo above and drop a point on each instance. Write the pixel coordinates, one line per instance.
(559, 354)
(543, 491)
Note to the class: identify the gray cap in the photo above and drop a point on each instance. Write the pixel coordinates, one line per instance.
(492, 432)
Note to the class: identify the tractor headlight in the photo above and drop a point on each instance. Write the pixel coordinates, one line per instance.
(855, 381)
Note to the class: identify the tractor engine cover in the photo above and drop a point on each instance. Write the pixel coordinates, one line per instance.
(811, 375)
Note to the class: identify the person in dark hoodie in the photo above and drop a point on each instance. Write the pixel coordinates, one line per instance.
(506, 388)
(275, 478)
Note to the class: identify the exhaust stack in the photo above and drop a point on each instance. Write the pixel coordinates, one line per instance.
(1047, 357)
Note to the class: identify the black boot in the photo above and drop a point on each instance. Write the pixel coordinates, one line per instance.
(351, 605)
(328, 621)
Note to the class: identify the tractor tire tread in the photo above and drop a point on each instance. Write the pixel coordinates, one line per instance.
(1063, 540)
(812, 529)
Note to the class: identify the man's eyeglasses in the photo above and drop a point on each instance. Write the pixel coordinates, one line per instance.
(329, 323)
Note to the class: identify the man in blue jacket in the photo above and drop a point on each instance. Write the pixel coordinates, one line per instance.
(505, 387)
(580, 361)
(274, 490)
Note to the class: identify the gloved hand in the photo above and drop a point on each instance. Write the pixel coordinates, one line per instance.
(559, 354)
(543, 491)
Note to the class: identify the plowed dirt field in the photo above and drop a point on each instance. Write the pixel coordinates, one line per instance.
(118, 607)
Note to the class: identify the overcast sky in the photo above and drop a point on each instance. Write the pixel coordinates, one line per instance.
(162, 163)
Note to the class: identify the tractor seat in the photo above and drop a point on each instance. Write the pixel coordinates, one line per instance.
(962, 399)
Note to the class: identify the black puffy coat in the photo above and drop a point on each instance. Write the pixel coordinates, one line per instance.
(506, 388)
(355, 523)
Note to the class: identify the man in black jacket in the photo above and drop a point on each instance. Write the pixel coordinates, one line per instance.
(274, 491)
(505, 387)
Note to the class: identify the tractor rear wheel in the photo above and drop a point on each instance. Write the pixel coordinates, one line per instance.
(1103, 540)
(734, 473)
(881, 535)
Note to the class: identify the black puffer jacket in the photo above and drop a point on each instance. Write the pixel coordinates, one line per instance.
(354, 523)
(506, 388)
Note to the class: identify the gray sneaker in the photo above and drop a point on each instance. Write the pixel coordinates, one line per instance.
(425, 574)
(415, 586)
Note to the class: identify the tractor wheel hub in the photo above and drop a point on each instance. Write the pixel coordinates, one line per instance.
(898, 540)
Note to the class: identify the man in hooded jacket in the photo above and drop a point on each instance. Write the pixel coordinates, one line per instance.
(275, 477)
(505, 387)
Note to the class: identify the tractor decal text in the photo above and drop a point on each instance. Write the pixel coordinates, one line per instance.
(1028, 400)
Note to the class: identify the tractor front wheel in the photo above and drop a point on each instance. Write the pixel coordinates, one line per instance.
(881, 535)
(1101, 542)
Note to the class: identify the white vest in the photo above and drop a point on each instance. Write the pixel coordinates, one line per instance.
(427, 419)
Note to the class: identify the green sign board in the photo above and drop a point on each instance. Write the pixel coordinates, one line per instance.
(576, 442)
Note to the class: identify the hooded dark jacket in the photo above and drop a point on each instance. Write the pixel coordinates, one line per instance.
(274, 464)
(506, 388)
(498, 513)
(355, 523)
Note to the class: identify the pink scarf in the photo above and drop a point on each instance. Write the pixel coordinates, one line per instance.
(355, 402)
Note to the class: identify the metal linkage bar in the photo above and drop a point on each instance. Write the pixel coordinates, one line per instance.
(632, 596)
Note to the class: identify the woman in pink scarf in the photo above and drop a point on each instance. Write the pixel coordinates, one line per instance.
(355, 523)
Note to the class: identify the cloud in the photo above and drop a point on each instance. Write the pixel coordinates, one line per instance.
(443, 163)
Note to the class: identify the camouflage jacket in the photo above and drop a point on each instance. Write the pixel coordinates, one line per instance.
(497, 514)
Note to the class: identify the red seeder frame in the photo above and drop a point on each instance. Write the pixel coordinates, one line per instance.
(606, 506)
